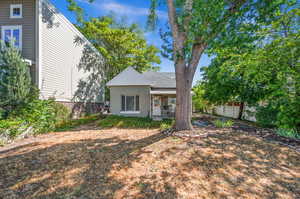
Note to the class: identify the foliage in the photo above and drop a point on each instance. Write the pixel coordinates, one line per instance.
(166, 125)
(288, 133)
(200, 103)
(266, 69)
(266, 115)
(15, 86)
(223, 124)
(120, 45)
(38, 116)
(70, 124)
(114, 121)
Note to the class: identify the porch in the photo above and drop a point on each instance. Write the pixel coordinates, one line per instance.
(162, 106)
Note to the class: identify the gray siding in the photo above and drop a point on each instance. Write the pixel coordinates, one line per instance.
(144, 97)
(27, 22)
(60, 74)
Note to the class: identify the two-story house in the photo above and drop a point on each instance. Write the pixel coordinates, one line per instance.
(50, 44)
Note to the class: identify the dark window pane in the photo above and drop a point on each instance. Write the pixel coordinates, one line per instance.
(16, 11)
(7, 36)
(137, 103)
(16, 37)
(129, 103)
(122, 103)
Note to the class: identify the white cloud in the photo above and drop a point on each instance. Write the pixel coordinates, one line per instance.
(122, 9)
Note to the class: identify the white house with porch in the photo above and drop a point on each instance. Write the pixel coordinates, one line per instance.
(149, 94)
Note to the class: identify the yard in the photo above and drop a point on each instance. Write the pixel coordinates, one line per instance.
(89, 162)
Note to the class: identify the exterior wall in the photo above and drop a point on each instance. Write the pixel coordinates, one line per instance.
(144, 98)
(27, 22)
(60, 56)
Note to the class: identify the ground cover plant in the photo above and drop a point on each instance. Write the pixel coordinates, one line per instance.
(133, 122)
(223, 123)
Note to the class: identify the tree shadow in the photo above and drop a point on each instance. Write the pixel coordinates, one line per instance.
(235, 165)
(89, 94)
(135, 164)
(79, 169)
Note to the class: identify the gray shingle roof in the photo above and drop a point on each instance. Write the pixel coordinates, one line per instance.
(161, 79)
(130, 77)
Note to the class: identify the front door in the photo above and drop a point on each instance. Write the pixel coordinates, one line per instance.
(156, 106)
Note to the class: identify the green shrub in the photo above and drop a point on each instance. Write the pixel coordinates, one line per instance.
(11, 128)
(292, 133)
(114, 121)
(62, 113)
(165, 126)
(266, 116)
(223, 124)
(42, 115)
(16, 88)
(281, 113)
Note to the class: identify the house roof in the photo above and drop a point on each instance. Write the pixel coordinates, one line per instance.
(130, 77)
(161, 79)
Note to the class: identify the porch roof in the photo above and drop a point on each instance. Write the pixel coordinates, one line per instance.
(166, 92)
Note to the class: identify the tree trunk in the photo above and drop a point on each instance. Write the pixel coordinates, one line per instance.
(242, 105)
(183, 101)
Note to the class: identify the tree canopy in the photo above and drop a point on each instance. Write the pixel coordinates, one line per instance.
(121, 46)
(265, 69)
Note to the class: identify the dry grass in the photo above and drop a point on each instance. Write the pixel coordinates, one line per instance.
(130, 163)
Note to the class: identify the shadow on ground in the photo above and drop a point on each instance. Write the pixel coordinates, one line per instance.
(146, 164)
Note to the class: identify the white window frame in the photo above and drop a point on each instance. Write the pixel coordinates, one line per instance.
(19, 27)
(12, 6)
(134, 99)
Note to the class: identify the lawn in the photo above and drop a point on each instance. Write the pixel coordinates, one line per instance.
(91, 162)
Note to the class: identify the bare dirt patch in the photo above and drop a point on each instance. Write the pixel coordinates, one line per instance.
(130, 163)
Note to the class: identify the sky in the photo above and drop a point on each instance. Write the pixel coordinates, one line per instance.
(135, 11)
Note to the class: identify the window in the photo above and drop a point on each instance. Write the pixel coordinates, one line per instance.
(12, 33)
(130, 103)
(16, 11)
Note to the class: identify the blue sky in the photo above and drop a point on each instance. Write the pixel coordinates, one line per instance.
(135, 11)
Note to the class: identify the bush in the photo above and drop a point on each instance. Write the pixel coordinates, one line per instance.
(292, 133)
(266, 116)
(42, 115)
(282, 113)
(16, 88)
(223, 124)
(114, 121)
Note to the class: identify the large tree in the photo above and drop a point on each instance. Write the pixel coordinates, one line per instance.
(198, 25)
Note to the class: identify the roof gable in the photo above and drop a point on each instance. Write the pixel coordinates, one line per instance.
(129, 77)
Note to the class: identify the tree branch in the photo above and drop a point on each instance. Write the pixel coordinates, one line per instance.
(197, 51)
(173, 23)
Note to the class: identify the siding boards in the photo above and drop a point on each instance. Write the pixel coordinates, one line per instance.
(60, 56)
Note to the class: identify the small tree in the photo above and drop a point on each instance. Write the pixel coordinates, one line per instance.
(15, 84)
